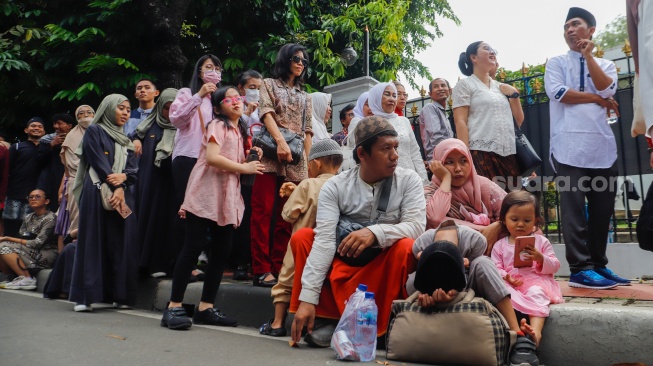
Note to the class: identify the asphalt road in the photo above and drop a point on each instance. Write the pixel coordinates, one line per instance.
(35, 331)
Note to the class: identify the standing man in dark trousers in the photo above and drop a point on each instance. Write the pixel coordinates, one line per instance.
(583, 150)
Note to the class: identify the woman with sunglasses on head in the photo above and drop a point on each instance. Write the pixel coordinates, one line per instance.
(383, 101)
(190, 112)
(284, 104)
(106, 260)
(483, 111)
(215, 179)
(35, 249)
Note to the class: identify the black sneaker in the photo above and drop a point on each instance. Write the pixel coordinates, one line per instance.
(523, 353)
(212, 316)
(176, 318)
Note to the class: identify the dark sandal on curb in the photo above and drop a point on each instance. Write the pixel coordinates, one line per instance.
(266, 329)
(260, 281)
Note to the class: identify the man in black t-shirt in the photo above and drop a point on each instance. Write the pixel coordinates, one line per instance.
(26, 160)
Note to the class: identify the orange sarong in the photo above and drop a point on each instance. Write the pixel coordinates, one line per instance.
(386, 276)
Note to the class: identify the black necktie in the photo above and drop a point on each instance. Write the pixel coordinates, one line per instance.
(582, 74)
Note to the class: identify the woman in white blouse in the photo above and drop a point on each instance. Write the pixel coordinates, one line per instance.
(383, 101)
(483, 111)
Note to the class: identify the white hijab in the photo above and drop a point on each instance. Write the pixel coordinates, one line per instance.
(360, 103)
(375, 97)
(320, 104)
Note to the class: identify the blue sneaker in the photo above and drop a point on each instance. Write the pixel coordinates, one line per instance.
(608, 274)
(590, 279)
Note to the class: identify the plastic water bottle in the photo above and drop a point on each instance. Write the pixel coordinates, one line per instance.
(365, 338)
(248, 179)
(355, 301)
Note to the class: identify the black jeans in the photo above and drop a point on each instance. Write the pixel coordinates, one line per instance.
(586, 237)
(219, 249)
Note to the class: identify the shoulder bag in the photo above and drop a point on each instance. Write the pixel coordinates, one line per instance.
(645, 222)
(527, 158)
(295, 142)
(346, 226)
(467, 330)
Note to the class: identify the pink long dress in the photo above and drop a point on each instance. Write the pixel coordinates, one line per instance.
(539, 288)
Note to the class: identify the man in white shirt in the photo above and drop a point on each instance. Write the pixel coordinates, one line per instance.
(324, 274)
(434, 125)
(583, 150)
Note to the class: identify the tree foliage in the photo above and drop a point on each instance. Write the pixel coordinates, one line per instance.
(56, 54)
(614, 34)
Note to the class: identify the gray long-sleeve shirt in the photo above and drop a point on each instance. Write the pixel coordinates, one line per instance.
(434, 127)
(348, 195)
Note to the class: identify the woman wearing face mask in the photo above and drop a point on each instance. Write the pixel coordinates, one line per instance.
(68, 215)
(190, 112)
(106, 261)
(383, 101)
(157, 212)
(284, 103)
(321, 114)
(483, 110)
(249, 83)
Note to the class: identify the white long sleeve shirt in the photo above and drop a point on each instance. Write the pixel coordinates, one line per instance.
(580, 134)
(348, 195)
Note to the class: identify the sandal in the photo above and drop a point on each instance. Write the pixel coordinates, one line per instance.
(266, 329)
(261, 282)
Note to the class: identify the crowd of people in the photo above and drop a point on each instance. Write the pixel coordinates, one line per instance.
(158, 189)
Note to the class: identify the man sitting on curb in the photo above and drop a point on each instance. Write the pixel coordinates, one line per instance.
(436, 245)
(323, 278)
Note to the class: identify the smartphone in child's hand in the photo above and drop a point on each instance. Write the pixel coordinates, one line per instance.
(521, 243)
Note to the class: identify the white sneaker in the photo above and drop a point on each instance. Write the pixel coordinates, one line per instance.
(4, 284)
(22, 283)
(158, 274)
(121, 306)
(81, 308)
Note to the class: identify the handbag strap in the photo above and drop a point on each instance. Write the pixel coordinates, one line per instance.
(517, 129)
(385, 195)
(304, 116)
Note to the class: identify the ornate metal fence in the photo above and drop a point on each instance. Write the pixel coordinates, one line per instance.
(633, 160)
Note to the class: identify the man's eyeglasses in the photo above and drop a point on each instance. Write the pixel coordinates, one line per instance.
(296, 59)
(231, 100)
(85, 113)
(34, 197)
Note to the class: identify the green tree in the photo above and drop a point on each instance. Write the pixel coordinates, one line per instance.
(614, 34)
(56, 54)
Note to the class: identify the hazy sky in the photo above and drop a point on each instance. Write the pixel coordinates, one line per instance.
(520, 30)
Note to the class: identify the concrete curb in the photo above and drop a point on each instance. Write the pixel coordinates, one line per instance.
(583, 331)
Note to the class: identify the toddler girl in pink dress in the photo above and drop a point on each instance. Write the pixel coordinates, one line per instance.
(532, 288)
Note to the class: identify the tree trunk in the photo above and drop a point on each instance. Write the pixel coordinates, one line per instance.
(163, 42)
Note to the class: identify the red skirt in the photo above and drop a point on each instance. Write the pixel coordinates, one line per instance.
(386, 276)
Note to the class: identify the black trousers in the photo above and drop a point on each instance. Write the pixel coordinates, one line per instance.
(219, 249)
(182, 166)
(586, 234)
